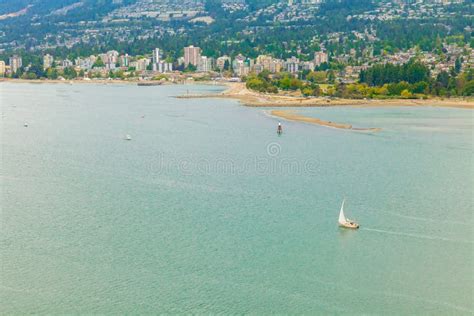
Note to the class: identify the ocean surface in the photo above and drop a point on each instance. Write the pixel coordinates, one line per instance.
(207, 210)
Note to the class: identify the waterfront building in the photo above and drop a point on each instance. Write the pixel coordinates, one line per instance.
(292, 64)
(15, 63)
(265, 61)
(124, 60)
(156, 59)
(206, 64)
(276, 65)
(220, 62)
(241, 65)
(112, 57)
(2, 68)
(165, 67)
(66, 63)
(85, 63)
(192, 55)
(47, 61)
(142, 64)
(104, 58)
(156, 55)
(268, 63)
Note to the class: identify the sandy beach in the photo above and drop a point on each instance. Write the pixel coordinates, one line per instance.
(292, 116)
(251, 98)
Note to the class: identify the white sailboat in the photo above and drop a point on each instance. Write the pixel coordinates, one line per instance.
(128, 137)
(345, 222)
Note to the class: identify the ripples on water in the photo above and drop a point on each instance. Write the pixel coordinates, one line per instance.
(95, 224)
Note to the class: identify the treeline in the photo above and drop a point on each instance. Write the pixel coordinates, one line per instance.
(321, 83)
(272, 83)
(379, 75)
(414, 79)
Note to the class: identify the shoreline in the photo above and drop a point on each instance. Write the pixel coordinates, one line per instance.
(238, 91)
(113, 81)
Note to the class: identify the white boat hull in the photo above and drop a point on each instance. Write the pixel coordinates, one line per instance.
(351, 225)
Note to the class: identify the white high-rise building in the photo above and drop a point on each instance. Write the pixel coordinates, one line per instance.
(112, 57)
(156, 55)
(165, 67)
(124, 60)
(292, 64)
(47, 61)
(206, 64)
(15, 63)
(192, 55)
(156, 59)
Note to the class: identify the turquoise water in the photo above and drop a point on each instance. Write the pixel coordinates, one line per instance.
(207, 210)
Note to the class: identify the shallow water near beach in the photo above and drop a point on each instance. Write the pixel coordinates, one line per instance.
(207, 210)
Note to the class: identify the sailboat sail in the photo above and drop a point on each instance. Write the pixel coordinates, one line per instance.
(342, 218)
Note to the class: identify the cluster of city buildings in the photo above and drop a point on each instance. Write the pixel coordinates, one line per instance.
(192, 60)
(240, 66)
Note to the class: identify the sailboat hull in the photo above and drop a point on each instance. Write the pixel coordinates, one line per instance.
(350, 225)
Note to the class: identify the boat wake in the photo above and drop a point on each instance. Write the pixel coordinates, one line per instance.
(417, 236)
(429, 219)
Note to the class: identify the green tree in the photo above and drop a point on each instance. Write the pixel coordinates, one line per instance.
(98, 63)
(406, 94)
(469, 89)
(69, 73)
(331, 77)
(457, 65)
(190, 68)
(52, 73)
(420, 87)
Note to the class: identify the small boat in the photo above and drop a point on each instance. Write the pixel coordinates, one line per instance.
(149, 83)
(25, 125)
(128, 137)
(345, 222)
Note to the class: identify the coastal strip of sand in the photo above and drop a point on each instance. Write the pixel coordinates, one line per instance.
(292, 116)
(247, 97)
